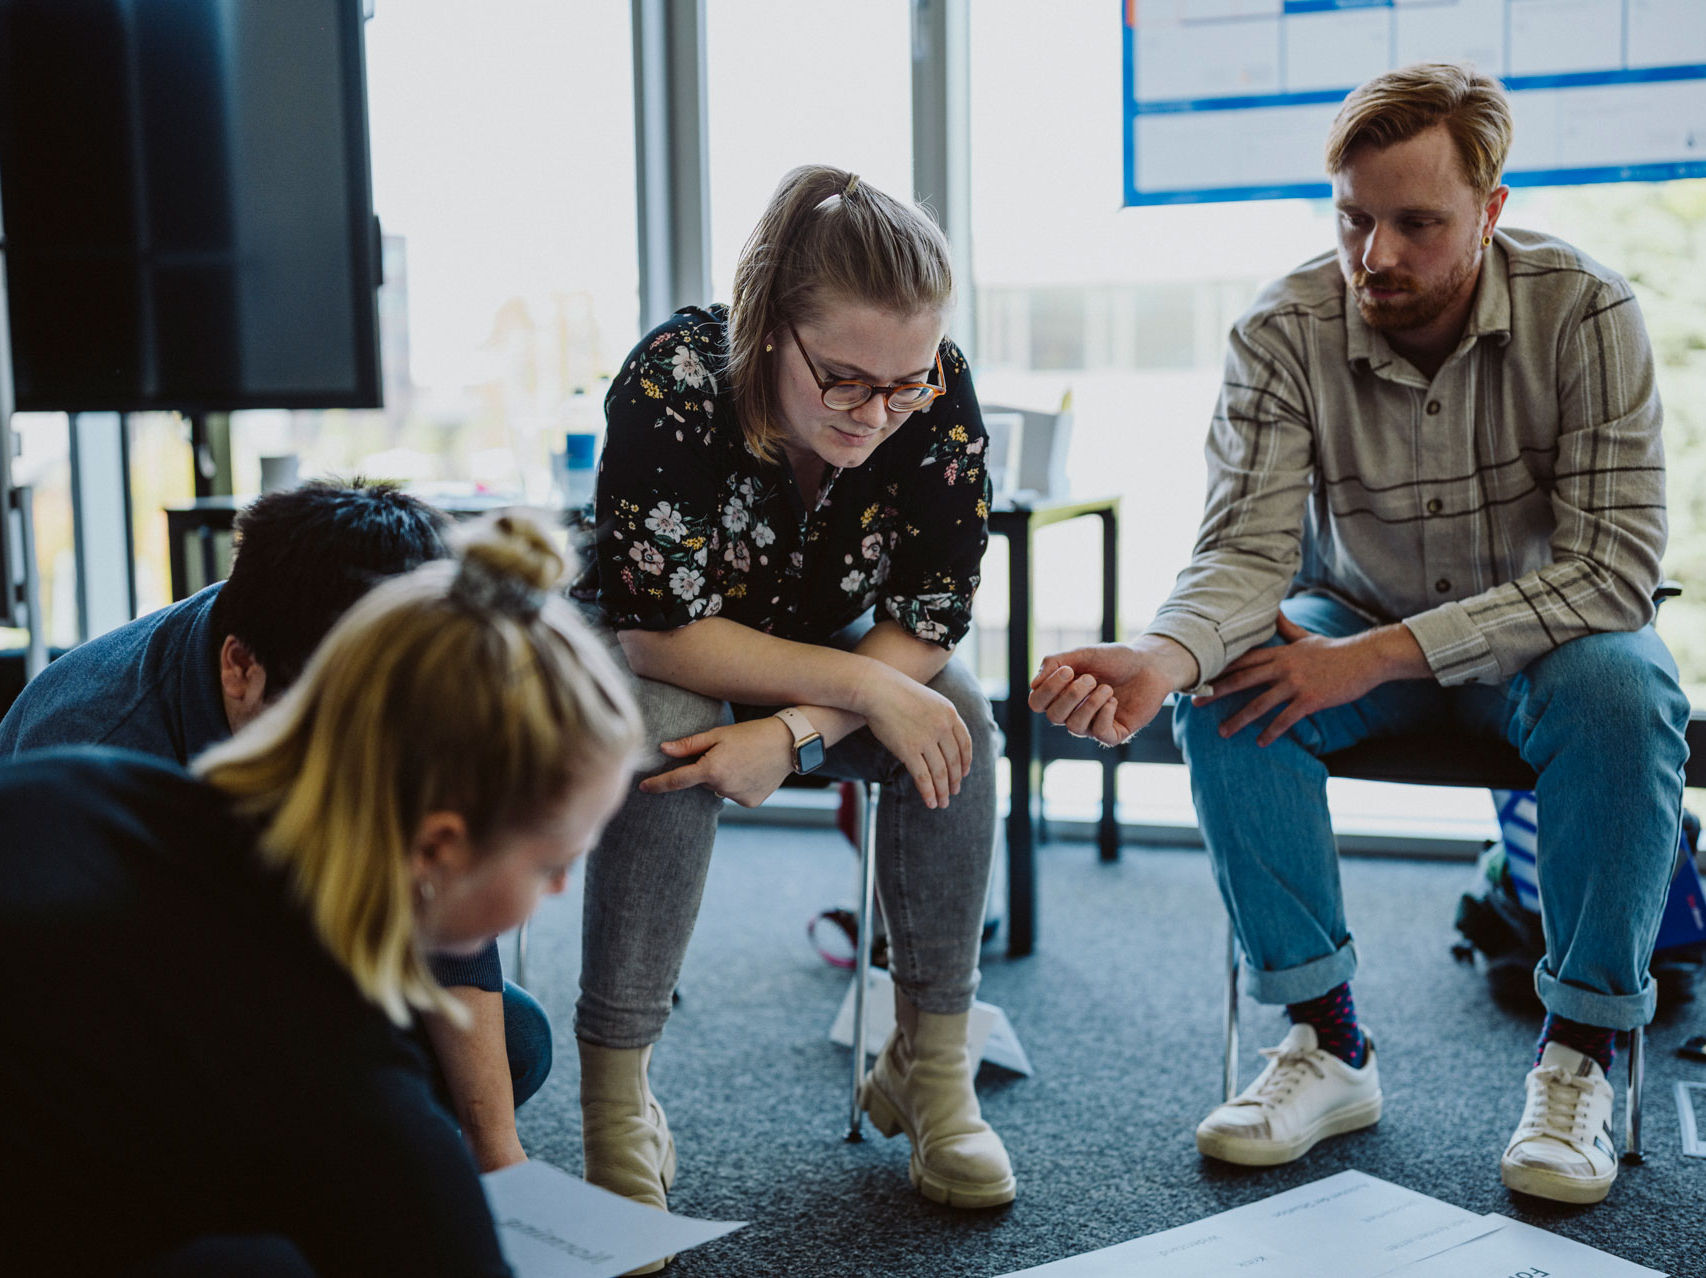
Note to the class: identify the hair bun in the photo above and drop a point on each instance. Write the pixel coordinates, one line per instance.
(506, 565)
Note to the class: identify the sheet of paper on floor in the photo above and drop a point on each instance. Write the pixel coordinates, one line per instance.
(1351, 1225)
(990, 1036)
(554, 1225)
(1516, 1248)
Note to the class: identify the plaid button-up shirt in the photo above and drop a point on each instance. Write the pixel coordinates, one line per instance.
(1512, 503)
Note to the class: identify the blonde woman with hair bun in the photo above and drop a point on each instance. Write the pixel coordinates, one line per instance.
(792, 510)
(453, 747)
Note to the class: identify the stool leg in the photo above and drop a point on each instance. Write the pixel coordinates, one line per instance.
(868, 792)
(521, 953)
(1230, 1076)
(1633, 1153)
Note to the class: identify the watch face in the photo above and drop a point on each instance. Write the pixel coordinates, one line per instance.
(810, 754)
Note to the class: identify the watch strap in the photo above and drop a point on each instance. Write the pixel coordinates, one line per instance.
(798, 724)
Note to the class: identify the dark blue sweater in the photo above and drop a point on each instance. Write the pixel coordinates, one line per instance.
(180, 1056)
(153, 686)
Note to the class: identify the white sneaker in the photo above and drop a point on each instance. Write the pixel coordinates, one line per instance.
(1303, 1095)
(1563, 1148)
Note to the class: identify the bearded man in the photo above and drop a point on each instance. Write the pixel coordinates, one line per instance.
(1436, 501)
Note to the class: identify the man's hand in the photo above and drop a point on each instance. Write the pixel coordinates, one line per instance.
(740, 761)
(1110, 690)
(921, 728)
(1311, 672)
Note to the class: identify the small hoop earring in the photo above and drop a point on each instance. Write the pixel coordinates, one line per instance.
(1486, 241)
(768, 348)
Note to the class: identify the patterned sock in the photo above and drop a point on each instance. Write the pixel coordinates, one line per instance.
(1334, 1016)
(1589, 1040)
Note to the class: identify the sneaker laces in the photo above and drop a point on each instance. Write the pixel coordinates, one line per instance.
(1558, 1107)
(1286, 1069)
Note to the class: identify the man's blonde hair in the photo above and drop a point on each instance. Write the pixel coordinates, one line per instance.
(825, 236)
(466, 686)
(1398, 105)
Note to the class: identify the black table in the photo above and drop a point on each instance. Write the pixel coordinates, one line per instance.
(1018, 521)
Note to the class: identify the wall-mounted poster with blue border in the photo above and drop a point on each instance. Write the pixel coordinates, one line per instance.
(1232, 99)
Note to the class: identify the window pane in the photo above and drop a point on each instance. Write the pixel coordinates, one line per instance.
(44, 464)
(1655, 233)
(503, 176)
(162, 474)
(811, 82)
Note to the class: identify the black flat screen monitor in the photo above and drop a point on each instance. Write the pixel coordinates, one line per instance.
(187, 205)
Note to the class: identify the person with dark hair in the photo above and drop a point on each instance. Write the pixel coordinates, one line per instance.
(792, 509)
(188, 676)
(185, 678)
(211, 972)
(1436, 502)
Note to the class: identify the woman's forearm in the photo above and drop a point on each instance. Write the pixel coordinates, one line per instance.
(894, 647)
(724, 659)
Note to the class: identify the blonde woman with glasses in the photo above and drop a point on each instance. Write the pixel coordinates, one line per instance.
(792, 506)
(210, 974)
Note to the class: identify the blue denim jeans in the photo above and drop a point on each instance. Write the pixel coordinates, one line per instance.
(1600, 719)
(645, 879)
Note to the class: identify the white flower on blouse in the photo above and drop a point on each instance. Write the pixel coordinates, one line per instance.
(687, 367)
(853, 582)
(930, 631)
(872, 546)
(739, 555)
(666, 521)
(686, 583)
(709, 606)
(736, 516)
(762, 535)
(646, 555)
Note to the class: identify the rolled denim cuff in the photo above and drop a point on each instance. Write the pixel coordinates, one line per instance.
(1307, 980)
(1607, 1011)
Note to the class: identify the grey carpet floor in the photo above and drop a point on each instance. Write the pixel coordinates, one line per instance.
(1120, 1011)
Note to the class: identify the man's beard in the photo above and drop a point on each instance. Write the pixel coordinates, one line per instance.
(1416, 307)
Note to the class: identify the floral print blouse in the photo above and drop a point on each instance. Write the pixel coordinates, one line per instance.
(690, 523)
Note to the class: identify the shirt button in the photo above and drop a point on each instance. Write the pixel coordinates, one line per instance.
(1435, 505)
(1442, 585)
(1433, 407)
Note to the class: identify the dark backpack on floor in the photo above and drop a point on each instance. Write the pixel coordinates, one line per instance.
(1508, 938)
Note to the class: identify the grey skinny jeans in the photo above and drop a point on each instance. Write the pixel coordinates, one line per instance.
(645, 879)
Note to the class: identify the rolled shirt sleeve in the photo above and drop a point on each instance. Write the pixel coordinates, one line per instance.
(482, 971)
(1260, 457)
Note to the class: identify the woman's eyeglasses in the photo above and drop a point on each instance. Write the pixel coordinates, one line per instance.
(844, 394)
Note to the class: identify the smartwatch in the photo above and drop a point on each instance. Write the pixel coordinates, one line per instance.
(808, 741)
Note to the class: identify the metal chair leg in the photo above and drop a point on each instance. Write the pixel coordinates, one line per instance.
(868, 792)
(1230, 1076)
(1633, 1152)
(521, 953)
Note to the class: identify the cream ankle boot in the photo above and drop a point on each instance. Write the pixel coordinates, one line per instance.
(922, 1084)
(624, 1137)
